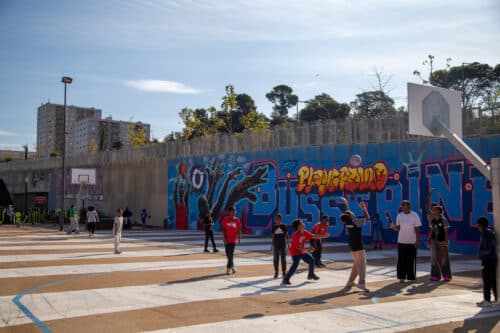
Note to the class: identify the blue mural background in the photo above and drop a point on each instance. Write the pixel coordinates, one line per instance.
(261, 184)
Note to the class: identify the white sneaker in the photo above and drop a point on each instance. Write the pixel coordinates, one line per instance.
(484, 304)
(363, 287)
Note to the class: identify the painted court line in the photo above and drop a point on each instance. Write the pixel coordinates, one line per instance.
(106, 300)
(379, 317)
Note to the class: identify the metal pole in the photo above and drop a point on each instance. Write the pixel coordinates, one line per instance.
(462, 147)
(26, 195)
(495, 190)
(63, 171)
(25, 182)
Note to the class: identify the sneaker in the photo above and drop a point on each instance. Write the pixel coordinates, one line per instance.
(286, 282)
(484, 304)
(313, 277)
(233, 270)
(434, 279)
(447, 279)
(118, 252)
(363, 287)
(322, 265)
(206, 250)
(228, 272)
(401, 280)
(215, 250)
(275, 275)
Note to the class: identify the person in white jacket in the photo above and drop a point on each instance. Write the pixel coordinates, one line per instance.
(117, 230)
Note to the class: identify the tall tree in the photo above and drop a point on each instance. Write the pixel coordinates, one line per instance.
(246, 116)
(373, 104)
(323, 107)
(245, 104)
(199, 122)
(136, 135)
(228, 105)
(283, 99)
(478, 83)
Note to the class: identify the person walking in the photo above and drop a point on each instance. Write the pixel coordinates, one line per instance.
(438, 243)
(320, 228)
(488, 256)
(377, 229)
(353, 226)
(208, 221)
(10, 214)
(278, 244)
(73, 217)
(92, 219)
(127, 218)
(144, 216)
(231, 229)
(117, 230)
(407, 226)
(297, 251)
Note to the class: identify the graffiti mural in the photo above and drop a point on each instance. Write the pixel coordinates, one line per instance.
(306, 182)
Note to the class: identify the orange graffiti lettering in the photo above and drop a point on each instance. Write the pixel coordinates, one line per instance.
(362, 179)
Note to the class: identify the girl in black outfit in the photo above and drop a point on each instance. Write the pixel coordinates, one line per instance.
(208, 221)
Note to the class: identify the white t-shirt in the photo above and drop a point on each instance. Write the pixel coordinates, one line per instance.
(408, 223)
(92, 216)
(118, 225)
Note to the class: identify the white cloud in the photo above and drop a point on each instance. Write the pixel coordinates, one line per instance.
(161, 86)
(6, 133)
(11, 146)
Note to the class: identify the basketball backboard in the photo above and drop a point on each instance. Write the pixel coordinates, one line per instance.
(426, 103)
(83, 176)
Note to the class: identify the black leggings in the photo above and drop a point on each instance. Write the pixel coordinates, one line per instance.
(91, 227)
(209, 233)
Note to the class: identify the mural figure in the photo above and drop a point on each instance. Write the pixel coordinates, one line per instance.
(241, 190)
(181, 197)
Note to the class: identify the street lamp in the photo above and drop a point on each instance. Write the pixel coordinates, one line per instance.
(66, 80)
(26, 180)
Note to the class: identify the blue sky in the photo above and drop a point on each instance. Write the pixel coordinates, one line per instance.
(147, 59)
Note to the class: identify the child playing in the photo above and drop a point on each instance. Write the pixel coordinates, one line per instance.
(117, 230)
(353, 226)
(278, 245)
(297, 251)
(438, 243)
(488, 256)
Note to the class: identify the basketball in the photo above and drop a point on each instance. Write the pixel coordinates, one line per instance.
(355, 160)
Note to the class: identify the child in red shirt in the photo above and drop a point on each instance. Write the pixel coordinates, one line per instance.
(231, 228)
(320, 228)
(297, 251)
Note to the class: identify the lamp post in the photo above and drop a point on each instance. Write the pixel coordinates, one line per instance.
(66, 80)
(26, 195)
(25, 147)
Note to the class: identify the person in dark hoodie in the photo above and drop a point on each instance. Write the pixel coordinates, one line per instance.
(488, 256)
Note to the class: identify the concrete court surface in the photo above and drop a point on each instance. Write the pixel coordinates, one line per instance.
(164, 282)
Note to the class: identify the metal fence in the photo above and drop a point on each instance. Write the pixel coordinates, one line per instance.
(327, 132)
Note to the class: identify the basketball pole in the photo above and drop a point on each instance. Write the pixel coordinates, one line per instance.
(490, 172)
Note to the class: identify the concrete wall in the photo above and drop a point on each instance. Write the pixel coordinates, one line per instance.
(136, 185)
